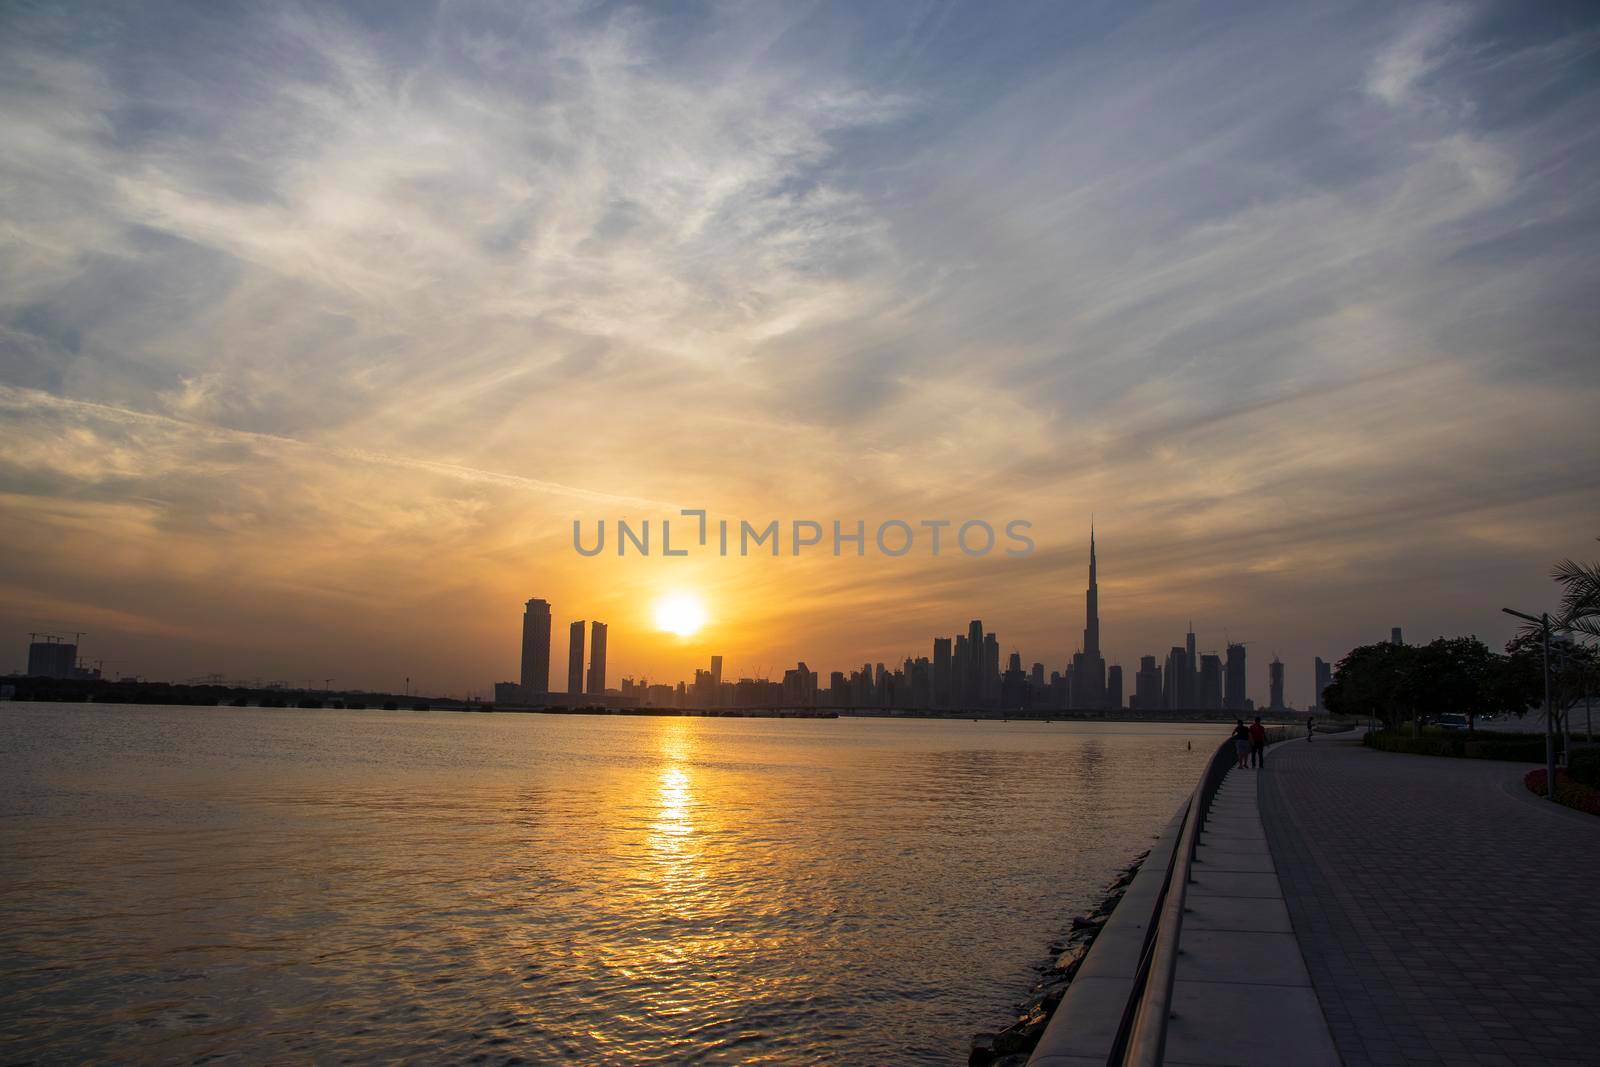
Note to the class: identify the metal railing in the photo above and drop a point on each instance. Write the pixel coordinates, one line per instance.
(1142, 1036)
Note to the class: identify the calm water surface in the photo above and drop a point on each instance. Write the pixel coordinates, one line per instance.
(187, 884)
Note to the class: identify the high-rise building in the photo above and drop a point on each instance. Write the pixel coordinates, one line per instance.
(536, 649)
(1194, 668)
(1147, 685)
(1234, 679)
(991, 671)
(920, 671)
(1087, 688)
(1394, 636)
(941, 672)
(1176, 678)
(1091, 600)
(1322, 678)
(1275, 684)
(597, 659)
(972, 684)
(575, 658)
(1014, 685)
(52, 658)
(800, 686)
(1114, 686)
(1210, 682)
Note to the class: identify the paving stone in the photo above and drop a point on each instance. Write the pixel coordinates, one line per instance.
(1446, 913)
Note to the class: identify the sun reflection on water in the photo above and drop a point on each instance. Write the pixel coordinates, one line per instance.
(676, 870)
(673, 818)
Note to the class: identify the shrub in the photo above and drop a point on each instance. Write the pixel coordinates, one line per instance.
(1521, 748)
(1569, 793)
(1584, 766)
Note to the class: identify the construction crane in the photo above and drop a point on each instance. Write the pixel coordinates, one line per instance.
(77, 636)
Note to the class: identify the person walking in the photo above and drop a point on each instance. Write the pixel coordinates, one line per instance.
(1258, 744)
(1241, 742)
(1310, 720)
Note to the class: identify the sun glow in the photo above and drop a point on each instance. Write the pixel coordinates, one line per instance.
(680, 614)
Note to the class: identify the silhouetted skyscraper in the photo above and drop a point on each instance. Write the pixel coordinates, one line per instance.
(1013, 684)
(973, 691)
(1147, 685)
(990, 683)
(1091, 626)
(1114, 686)
(941, 672)
(1176, 678)
(575, 658)
(52, 658)
(1323, 677)
(1210, 682)
(536, 648)
(716, 680)
(1275, 684)
(1193, 700)
(597, 659)
(1234, 680)
(1087, 684)
(960, 668)
(1394, 636)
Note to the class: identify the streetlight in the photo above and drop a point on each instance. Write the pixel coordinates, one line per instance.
(1543, 619)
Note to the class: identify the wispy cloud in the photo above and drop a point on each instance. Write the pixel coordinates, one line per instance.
(354, 316)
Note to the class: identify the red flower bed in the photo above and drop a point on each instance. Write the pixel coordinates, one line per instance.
(1572, 794)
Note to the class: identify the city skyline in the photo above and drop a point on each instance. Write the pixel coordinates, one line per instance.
(963, 671)
(538, 654)
(321, 325)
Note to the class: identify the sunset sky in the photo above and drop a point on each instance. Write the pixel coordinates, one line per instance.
(320, 325)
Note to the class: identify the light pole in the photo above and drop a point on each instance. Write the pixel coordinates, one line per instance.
(1543, 619)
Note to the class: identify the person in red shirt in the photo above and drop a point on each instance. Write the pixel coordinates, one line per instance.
(1258, 743)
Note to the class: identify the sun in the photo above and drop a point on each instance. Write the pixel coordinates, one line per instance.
(680, 613)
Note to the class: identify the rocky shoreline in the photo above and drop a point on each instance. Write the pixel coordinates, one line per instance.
(1012, 1046)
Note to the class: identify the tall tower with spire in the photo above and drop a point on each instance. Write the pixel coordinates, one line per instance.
(1091, 629)
(1087, 688)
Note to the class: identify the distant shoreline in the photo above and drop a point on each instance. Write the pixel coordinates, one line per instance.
(156, 694)
(1201, 717)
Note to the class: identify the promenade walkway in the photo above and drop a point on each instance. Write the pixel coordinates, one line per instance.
(1242, 996)
(1444, 914)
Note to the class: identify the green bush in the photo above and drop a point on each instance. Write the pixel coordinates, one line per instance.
(1583, 766)
(1521, 748)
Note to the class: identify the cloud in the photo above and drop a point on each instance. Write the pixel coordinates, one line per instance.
(353, 318)
(1419, 50)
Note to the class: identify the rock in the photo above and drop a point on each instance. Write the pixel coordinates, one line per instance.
(1043, 1001)
(1016, 1059)
(1107, 906)
(1085, 922)
(1068, 962)
(1020, 1036)
(983, 1050)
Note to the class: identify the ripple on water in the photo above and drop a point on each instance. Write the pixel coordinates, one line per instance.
(215, 883)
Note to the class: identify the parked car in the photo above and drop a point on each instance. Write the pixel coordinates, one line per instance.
(1452, 722)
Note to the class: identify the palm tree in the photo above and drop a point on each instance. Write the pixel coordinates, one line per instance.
(1580, 599)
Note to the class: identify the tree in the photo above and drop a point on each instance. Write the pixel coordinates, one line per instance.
(1375, 681)
(1573, 668)
(1520, 684)
(1458, 675)
(1580, 597)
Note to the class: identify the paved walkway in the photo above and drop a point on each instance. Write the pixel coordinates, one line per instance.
(1445, 915)
(1242, 995)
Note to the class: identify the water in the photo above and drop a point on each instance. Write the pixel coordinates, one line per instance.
(188, 884)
